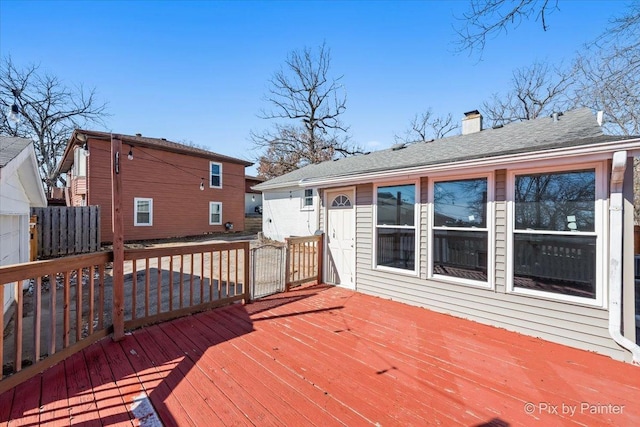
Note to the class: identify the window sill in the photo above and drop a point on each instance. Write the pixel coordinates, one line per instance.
(394, 270)
(462, 282)
(558, 298)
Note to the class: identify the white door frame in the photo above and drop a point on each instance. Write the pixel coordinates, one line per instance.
(351, 193)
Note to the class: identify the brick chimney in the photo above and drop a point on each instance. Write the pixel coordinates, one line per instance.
(472, 122)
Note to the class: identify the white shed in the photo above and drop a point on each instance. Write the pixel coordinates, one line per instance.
(20, 189)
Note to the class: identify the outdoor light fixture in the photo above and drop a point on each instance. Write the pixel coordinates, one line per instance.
(202, 184)
(253, 197)
(86, 149)
(14, 115)
(130, 155)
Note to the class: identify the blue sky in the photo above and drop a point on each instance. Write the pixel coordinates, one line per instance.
(198, 71)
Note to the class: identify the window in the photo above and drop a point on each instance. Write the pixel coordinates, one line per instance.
(555, 233)
(308, 198)
(341, 201)
(215, 213)
(396, 226)
(79, 162)
(216, 175)
(460, 232)
(143, 212)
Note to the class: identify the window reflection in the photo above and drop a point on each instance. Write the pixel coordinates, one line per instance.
(396, 205)
(562, 201)
(460, 203)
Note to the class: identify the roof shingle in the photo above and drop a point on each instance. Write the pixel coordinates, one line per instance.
(573, 128)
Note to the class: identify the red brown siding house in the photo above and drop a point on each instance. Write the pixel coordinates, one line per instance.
(168, 189)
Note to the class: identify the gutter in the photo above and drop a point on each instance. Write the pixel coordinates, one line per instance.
(618, 167)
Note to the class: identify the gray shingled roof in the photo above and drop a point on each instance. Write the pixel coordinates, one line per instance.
(573, 128)
(10, 147)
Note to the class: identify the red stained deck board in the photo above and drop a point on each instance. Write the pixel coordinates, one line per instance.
(152, 378)
(327, 356)
(341, 385)
(309, 397)
(393, 399)
(243, 398)
(6, 401)
(548, 383)
(374, 364)
(25, 410)
(188, 381)
(555, 388)
(126, 381)
(54, 405)
(278, 397)
(82, 405)
(111, 407)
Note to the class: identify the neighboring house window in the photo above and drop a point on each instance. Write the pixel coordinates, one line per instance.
(555, 234)
(215, 213)
(79, 162)
(216, 175)
(308, 198)
(396, 226)
(143, 211)
(460, 232)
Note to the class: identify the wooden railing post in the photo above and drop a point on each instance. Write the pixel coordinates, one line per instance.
(247, 266)
(319, 262)
(118, 239)
(287, 268)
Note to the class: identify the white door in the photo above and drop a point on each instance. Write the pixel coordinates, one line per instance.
(341, 238)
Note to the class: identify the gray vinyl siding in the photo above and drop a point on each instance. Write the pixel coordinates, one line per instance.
(321, 211)
(500, 229)
(424, 217)
(562, 322)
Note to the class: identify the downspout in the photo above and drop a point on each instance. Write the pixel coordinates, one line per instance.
(619, 164)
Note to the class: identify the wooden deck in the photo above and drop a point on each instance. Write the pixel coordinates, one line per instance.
(327, 356)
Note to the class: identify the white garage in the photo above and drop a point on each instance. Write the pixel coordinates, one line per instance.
(20, 189)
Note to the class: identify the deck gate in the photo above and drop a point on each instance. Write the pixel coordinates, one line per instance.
(267, 270)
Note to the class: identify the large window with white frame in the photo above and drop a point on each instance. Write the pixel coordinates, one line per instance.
(395, 229)
(143, 211)
(555, 234)
(215, 213)
(215, 170)
(460, 233)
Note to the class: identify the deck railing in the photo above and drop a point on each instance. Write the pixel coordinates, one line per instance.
(59, 309)
(165, 283)
(63, 305)
(304, 260)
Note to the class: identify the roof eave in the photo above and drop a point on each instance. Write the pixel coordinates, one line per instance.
(67, 159)
(631, 145)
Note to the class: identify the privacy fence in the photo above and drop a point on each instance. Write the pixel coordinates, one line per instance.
(62, 230)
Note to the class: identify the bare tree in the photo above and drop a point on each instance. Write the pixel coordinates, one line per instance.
(48, 113)
(487, 18)
(427, 127)
(535, 91)
(289, 150)
(303, 93)
(608, 74)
